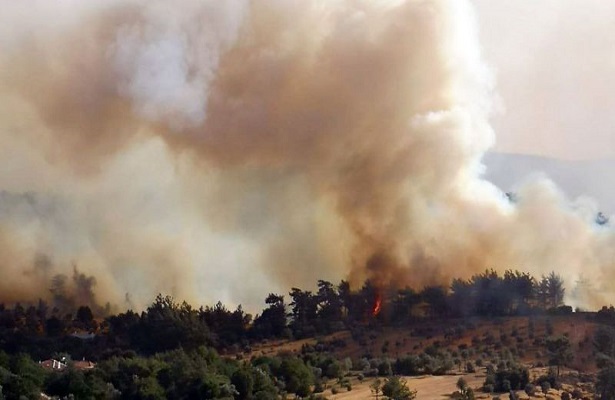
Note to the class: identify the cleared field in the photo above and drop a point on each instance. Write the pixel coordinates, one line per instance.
(427, 387)
(442, 388)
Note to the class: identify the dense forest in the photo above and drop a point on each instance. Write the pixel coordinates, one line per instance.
(173, 350)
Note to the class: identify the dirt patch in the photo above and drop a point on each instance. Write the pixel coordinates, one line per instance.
(427, 387)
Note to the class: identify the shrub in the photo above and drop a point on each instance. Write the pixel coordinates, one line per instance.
(489, 339)
(488, 388)
(410, 365)
(396, 389)
(465, 392)
(549, 327)
(363, 364)
(470, 367)
(550, 378)
(530, 389)
(513, 377)
(334, 370)
(384, 368)
(347, 364)
(545, 386)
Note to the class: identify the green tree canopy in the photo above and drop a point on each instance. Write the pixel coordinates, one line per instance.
(396, 388)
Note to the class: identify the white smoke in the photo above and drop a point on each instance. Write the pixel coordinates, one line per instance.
(224, 150)
(167, 59)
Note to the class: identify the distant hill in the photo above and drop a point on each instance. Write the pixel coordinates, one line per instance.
(576, 178)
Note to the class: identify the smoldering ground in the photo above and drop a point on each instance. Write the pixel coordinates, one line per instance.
(224, 150)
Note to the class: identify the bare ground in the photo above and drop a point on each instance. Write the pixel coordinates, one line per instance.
(427, 387)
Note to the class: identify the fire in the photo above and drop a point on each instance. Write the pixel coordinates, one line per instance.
(377, 305)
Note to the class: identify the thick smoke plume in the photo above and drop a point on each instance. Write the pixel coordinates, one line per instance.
(216, 149)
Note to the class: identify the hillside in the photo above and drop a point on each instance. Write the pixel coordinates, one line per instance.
(489, 335)
(477, 341)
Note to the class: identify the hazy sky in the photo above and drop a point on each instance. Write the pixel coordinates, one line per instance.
(554, 62)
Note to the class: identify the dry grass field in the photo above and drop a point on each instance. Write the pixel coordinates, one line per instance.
(440, 388)
(427, 387)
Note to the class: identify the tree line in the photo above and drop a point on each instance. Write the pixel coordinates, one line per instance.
(334, 307)
(167, 324)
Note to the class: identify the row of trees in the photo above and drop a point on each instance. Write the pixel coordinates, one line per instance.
(164, 325)
(177, 374)
(200, 373)
(167, 324)
(332, 307)
(514, 293)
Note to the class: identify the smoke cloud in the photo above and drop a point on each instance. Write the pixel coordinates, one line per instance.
(554, 109)
(224, 150)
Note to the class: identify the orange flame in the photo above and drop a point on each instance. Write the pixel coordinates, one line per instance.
(377, 305)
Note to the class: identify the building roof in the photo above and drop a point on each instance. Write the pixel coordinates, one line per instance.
(83, 364)
(60, 366)
(53, 364)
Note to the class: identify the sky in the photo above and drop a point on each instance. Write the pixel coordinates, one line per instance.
(554, 62)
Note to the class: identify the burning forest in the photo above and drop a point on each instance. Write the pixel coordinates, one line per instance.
(222, 150)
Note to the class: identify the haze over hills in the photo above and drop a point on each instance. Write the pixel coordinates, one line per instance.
(586, 178)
